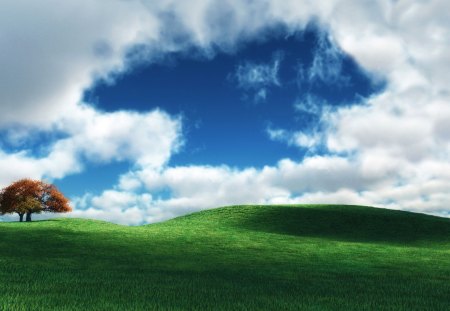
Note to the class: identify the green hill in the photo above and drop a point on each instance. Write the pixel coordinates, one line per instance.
(315, 257)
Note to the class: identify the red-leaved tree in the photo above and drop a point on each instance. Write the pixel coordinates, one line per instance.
(28, 196)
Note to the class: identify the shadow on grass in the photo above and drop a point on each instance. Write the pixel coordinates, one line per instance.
(351, 223)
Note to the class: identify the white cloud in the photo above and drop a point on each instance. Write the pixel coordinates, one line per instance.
(299, 139)
(144, 139)
(312, 105)
(48, 57)
(21, 165)
(318, 179)
(327, 62)
(258, 77)
(251, 75)
(193, 188)
(313, 133)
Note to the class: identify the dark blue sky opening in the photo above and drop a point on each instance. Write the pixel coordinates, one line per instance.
(223, 123)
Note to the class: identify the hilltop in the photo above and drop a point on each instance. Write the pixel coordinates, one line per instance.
(240, 257)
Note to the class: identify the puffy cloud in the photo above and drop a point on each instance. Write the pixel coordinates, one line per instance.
(193, 188)
(144, 139)
(58, 163)
(318, 179)
(115, 206)
(48, 57)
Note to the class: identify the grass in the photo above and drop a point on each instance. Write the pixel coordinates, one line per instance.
(308, 257)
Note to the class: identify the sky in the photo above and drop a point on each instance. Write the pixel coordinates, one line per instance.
(141, 111)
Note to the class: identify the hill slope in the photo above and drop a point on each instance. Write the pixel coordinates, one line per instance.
(241, 258)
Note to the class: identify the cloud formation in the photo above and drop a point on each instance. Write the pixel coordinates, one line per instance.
(145, 139)
(48, 57)
(392, 151)
(193, 188)
(258, 77)
(327, 63)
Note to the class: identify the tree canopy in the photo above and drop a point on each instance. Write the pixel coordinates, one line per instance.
(28, 196)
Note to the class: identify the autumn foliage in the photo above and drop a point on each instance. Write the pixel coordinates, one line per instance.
(28, 196)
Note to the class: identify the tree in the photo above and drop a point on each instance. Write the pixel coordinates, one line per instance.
(28, 196)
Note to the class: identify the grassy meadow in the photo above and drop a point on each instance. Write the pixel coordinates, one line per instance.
(303, 257)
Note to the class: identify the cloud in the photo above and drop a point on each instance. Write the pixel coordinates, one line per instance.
(144, 139)
(316, 179)
(147, 139)
(312, 105)
(115, 206)
(314, 113)
(251, 75)
(327, 63)
(195, 187)
(46, 67)
(299, 139)
(258, 78)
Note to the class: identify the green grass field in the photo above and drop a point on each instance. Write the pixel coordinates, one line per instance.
(309, 257)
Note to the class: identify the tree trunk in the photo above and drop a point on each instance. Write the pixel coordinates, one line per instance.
(21, 216)
(28, 216)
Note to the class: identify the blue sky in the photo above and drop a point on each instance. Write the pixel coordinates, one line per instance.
(225, 121)
(143, 111)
